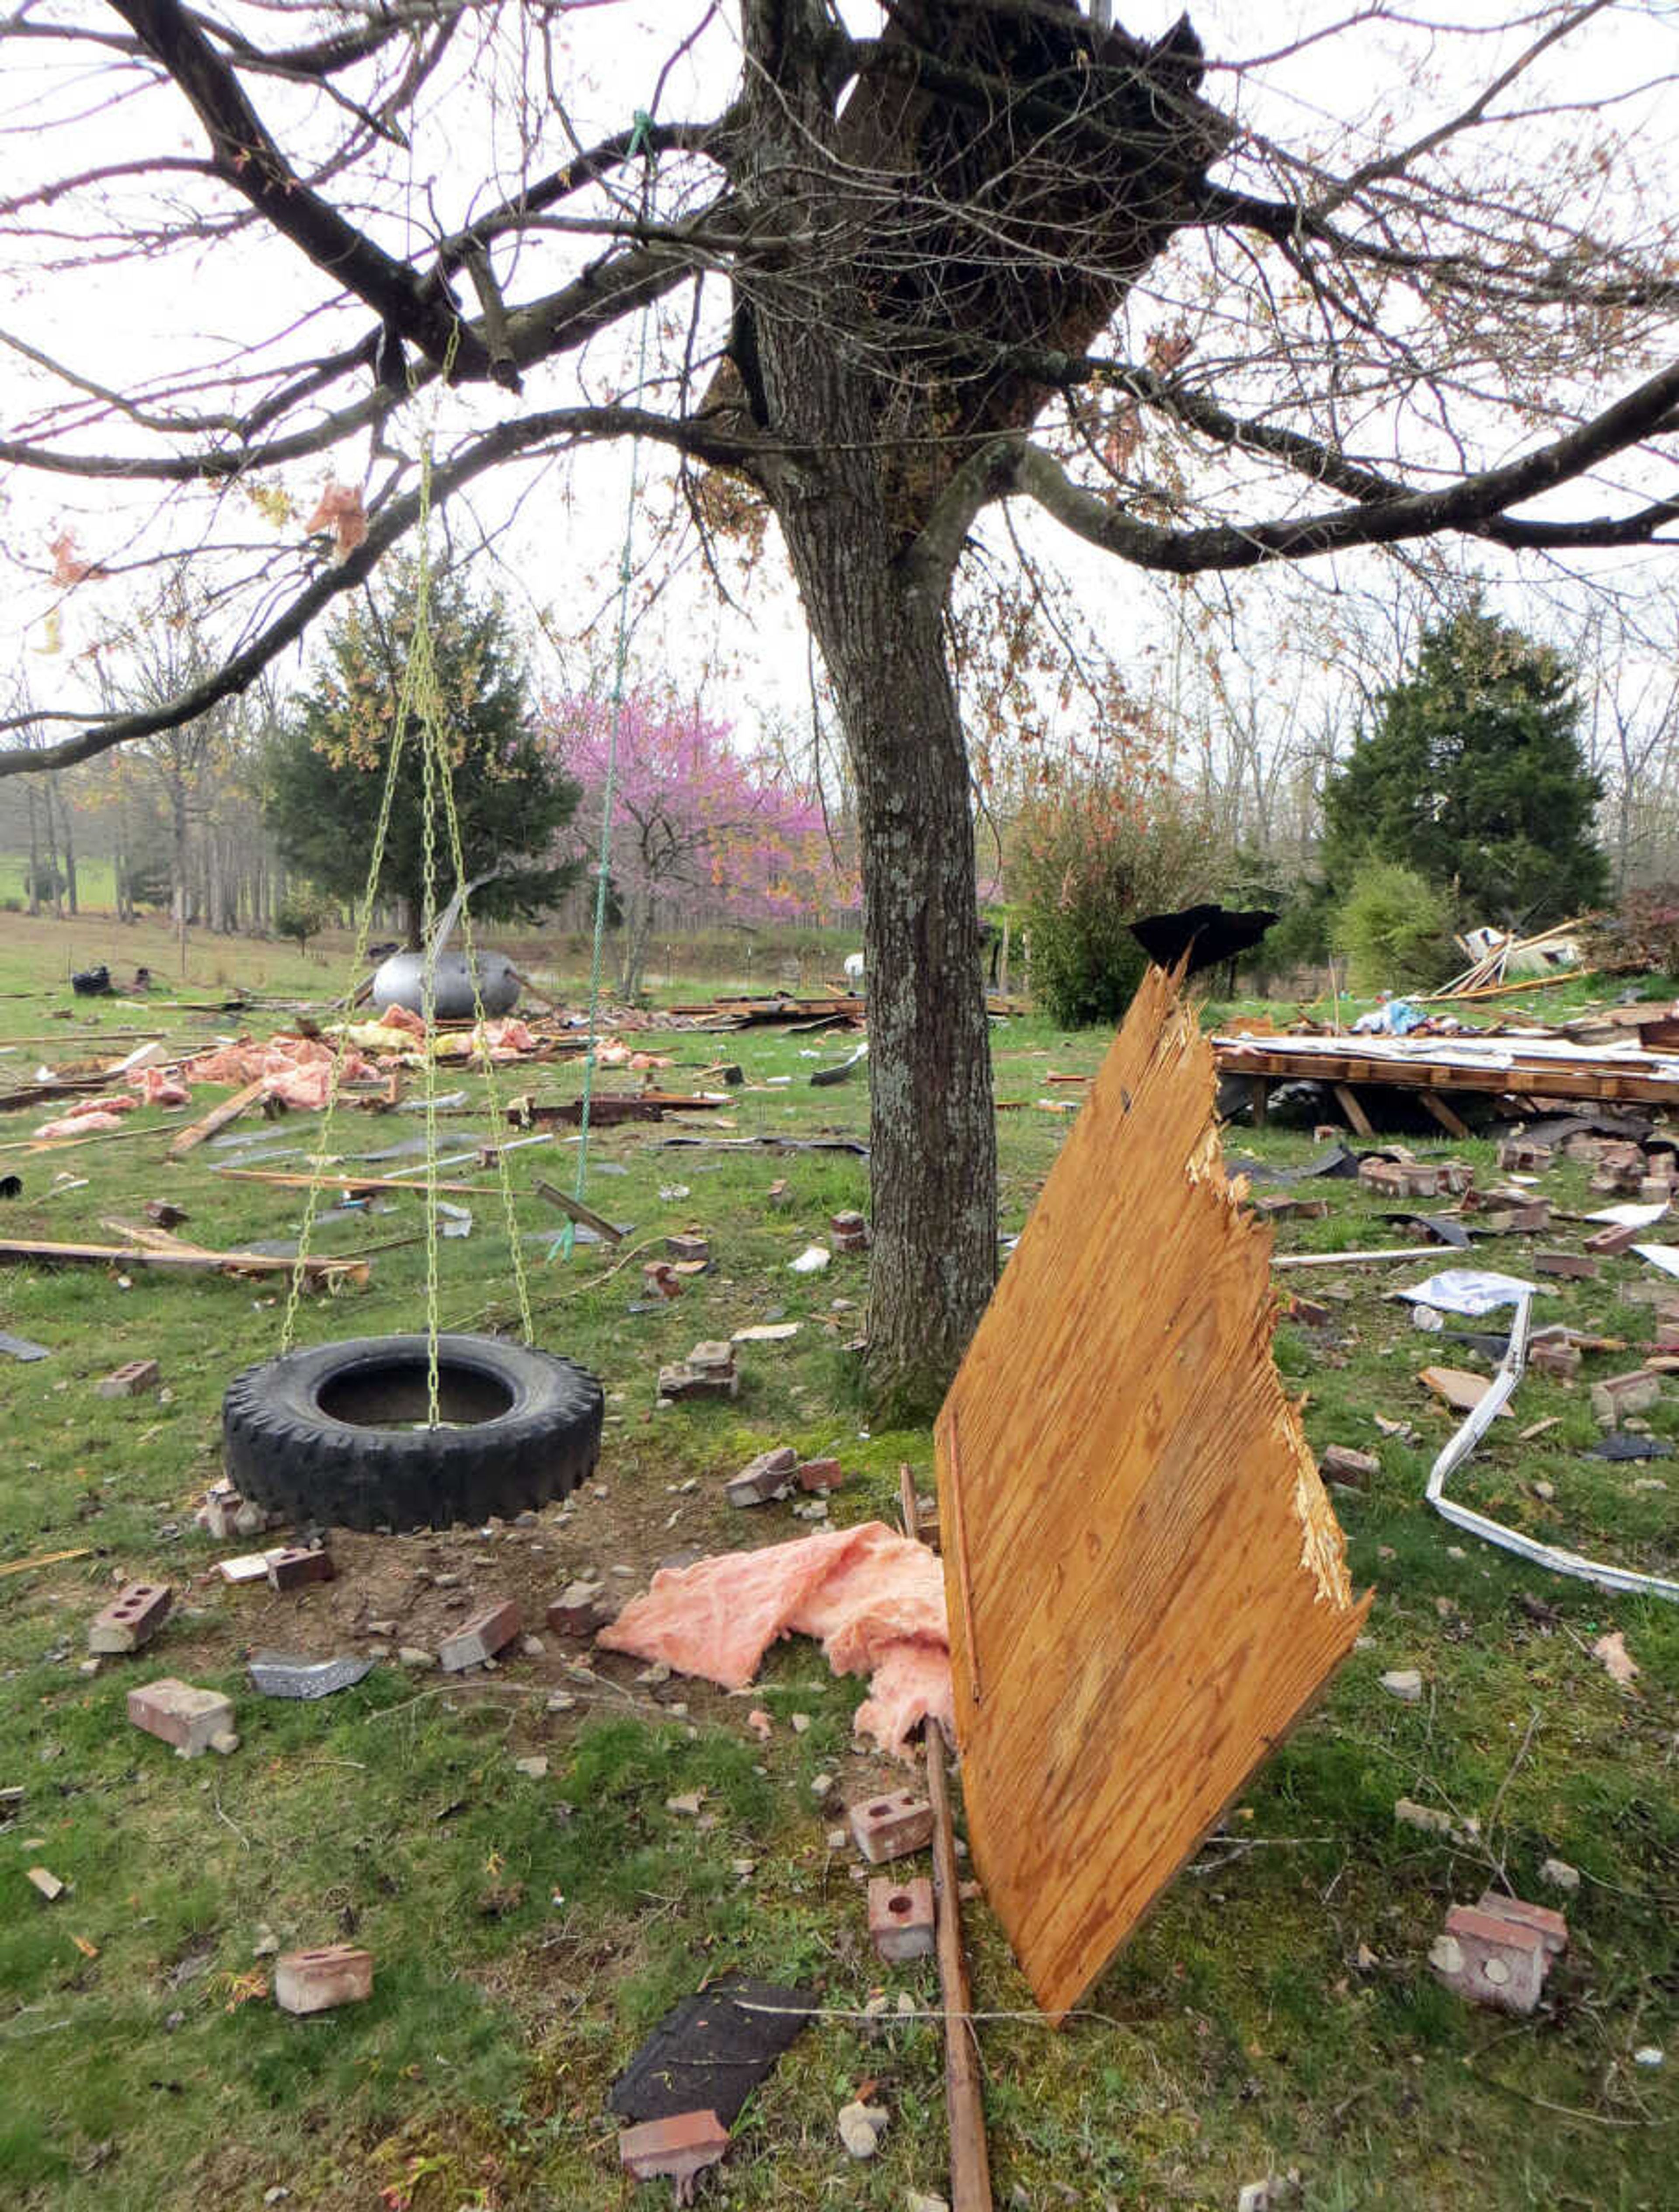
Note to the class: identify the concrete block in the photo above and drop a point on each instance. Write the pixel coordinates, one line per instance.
(713, 1357)
(481, 1638)
(131, 1619)
(291, 1568)
(679, 2146)
(690, 1248)
(1617, 1395)
(891, 1825)
(316, 1981)
(901, 1918)
(192, 1720)
(1490, 1960)
(129, 1380)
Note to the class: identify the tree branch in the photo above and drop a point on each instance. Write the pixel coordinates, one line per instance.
(505, 443)
(248, 159)
(1476, 504)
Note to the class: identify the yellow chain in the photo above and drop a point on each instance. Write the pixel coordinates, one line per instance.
(312, 1202)
(479, 1031)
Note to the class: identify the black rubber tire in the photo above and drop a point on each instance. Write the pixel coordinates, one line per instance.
(285, 1450)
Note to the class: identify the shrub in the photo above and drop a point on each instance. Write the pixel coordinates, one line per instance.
(301, 916)
(1640, 937)
(1092, 851)
(1395, 928)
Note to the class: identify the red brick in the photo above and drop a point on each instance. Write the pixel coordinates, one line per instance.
(1618, 1237)
(1562, 1361)
(770, 1475)
(820, 1474)
(579, 1609)
(901, 1918)
(291, 1568)
(659, 1281)
(851, 1232)
(1617, 1395)
(193, 1720)
(678, 2147)
(1341, 1463)
(315, 1981)
(687, 1248)
(481, 1638)
(131, 1619)
(891, 1825)
(129, 1380)
(1490, 1960)
(1572, 1264)
(1546, 1923)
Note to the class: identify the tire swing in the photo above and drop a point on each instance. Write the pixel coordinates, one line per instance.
(419, 1430)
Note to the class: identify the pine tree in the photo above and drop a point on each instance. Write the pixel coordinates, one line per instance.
(1472, 775)
(326, 770)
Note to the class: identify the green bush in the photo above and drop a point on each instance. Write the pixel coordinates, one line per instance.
(301, 916)
(1092, 851)
(1395, 928)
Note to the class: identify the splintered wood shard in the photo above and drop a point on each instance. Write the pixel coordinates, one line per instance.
(1146, 1582)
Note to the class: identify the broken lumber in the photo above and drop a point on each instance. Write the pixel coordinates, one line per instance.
(218, 1117)
(1139, 1608)
(189, 1260)
(575, 1210)
(347, 1180)
(964, 2109)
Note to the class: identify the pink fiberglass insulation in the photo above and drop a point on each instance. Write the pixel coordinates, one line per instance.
(81, 1125)
(875, 1600)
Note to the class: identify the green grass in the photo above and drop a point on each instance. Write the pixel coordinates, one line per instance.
(1276, 2008)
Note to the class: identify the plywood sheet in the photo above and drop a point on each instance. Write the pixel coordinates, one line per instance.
(1146, 1582)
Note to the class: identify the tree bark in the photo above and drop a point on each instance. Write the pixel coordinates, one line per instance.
(57, 785)
(932, 1125)
(34, 849)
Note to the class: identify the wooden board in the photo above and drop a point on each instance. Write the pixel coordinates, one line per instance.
(1606, 1079)
(1146, 1582)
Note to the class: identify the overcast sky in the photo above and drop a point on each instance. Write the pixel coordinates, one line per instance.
(552, 535)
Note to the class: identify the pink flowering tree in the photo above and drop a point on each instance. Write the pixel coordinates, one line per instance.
(692, 815)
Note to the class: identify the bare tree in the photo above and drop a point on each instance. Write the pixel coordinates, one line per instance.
(987, 251)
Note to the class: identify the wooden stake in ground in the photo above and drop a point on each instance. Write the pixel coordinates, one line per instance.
(970, 2160)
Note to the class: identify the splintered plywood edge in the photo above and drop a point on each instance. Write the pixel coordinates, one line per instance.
(1147, 1583)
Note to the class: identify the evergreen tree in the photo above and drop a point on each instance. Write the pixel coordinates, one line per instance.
(1472, 775)
(326, 769)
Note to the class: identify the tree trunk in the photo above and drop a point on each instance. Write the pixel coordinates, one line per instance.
(70, 844)
(638, 935)
(34, 848)
(932, 1125)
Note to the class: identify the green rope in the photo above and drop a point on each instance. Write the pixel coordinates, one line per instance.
(638, 143)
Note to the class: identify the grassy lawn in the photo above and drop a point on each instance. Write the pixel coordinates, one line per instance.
(1276, 2011)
